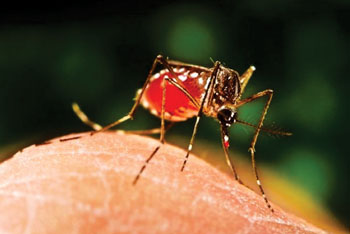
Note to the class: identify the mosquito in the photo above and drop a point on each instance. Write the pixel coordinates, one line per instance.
(181, 91)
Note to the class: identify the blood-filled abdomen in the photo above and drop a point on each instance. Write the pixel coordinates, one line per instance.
(178, 106)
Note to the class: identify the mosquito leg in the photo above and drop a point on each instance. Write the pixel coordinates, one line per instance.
(145, 165)
(189, 149)
(162, 122)
(83, 117)
(268, 93)
(161, 60)
(138, 97)
(245, 77)
(225, 145)
(208, 89)
(175, 81)
(162, 135)
(182, 89)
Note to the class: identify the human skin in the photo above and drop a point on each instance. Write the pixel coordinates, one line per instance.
(85, 185)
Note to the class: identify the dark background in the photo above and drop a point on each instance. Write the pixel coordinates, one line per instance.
(99, 53)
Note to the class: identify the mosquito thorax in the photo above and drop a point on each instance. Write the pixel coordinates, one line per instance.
(227, 116)
(227, 84)
(227, 89)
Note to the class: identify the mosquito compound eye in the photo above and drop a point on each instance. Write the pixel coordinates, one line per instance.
(226, 116)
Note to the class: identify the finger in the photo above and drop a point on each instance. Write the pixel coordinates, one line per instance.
(83, 184)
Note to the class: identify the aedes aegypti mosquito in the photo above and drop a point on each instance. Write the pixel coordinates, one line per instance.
(181, 91)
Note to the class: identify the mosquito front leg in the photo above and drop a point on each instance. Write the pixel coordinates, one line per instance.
(268, 93)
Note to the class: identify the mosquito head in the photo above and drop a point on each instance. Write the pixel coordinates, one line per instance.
(227, 116)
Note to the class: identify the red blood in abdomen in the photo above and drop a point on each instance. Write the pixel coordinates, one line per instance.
(178, 106)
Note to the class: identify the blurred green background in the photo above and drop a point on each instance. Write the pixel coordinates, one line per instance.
(99, 53)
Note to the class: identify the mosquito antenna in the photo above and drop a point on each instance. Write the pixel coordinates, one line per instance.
(212, 60)
(276, 132)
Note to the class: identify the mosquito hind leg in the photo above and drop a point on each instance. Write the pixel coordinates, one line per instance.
(138, 97)
(161, 138)
(158, 60)
(83, 117)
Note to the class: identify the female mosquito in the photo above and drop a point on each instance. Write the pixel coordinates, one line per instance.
(181, 91)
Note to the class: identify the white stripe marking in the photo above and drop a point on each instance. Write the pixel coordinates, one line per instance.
(189, 147)
(207, 84)
(200, 80)
(145, 104)
(226, 138)
(164, 71)
(194, 74)
(154, 112)
(182, 77)
(167, 115)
